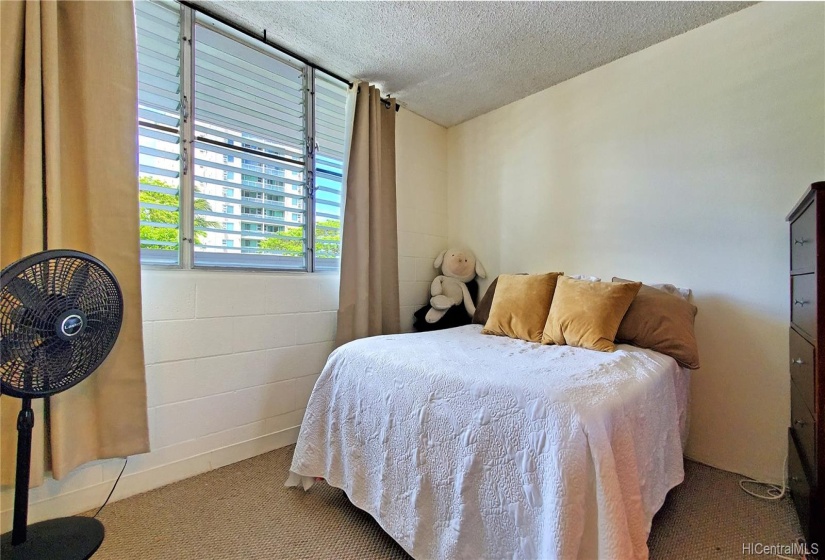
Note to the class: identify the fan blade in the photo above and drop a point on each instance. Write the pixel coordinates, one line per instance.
(22, 318)
(27, 293)
(57, 365)
(5, 361)
(21, 343)
(17, 317)
(77, 282)
(5, 355)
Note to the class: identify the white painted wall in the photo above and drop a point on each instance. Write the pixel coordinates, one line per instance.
(232, 357)
(674, 164)
(421, 187)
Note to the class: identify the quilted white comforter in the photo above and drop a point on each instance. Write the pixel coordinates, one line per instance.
(463, 445)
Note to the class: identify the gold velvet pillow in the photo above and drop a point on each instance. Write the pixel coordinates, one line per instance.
(588, 314)
(520, 305)
(486, 303)
(663, 322)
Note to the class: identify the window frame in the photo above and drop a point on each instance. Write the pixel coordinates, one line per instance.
(189, 18)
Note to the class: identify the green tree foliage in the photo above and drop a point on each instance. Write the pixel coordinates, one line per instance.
(327, 241)
(159, 233)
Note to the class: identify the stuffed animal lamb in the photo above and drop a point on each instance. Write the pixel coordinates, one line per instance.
(458, 266)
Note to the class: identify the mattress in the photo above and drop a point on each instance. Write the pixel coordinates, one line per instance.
(463, 445)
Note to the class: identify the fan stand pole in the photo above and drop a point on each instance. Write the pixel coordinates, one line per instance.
(65, 538)
(25, 423)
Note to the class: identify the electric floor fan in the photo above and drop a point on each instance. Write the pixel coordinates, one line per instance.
(60, 315)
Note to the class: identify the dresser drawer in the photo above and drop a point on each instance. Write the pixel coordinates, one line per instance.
(802, 424)
(799, 487)
(803, 302)
(802, 368)
(803, 239)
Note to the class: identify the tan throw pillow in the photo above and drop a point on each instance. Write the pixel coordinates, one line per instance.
(520, 305)
(587, 314)
(662, 322)
(486, 303)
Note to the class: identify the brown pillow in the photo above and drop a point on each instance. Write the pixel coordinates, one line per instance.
(484, 304)
(520, 305)
(663, 322)
(587, 314)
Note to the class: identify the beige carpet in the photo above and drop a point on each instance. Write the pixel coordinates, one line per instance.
(243, 511)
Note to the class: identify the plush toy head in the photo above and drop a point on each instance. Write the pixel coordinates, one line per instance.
(460, 264)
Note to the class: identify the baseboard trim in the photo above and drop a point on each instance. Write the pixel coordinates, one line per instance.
(770, 479)
(90, 497)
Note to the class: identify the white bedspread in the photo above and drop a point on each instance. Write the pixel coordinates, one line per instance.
(463, 445)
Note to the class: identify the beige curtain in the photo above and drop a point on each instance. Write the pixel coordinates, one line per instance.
(68, 180)
(368, 303)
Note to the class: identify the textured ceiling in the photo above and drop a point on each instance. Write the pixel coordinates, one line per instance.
(452, 61)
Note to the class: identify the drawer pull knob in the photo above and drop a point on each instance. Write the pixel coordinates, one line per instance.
(800, 302)
(799, 423)
(800, 241)
(798, 361)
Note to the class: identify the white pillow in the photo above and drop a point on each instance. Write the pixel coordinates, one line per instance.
(588, 278)
(683, 293)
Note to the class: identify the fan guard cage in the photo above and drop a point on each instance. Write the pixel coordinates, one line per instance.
(60, 315)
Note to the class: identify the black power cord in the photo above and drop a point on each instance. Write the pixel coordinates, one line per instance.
(125, 462)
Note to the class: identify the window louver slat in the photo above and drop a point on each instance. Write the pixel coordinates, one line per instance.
(252, 202)
(159, 103)
(252, 174)
(223, 67)
(244, 59)
(163, 20)
(146, 114)
(157, 98)
(159, 135)
(224, 113)
(282, 162)
(154, 188)
(219, 85)
(220, 118)
(249, 186)
(276, 144)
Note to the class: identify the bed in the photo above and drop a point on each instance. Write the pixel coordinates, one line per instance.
(463, 445)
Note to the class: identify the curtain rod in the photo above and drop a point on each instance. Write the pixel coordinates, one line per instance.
(385, 102)
(261, 38)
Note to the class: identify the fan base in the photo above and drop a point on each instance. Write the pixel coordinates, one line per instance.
(67, 538)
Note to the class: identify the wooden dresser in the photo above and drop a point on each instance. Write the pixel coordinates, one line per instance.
(806, 445)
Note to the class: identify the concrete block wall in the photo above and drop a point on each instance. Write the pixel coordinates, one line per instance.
(231, 359)
(233, 351)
